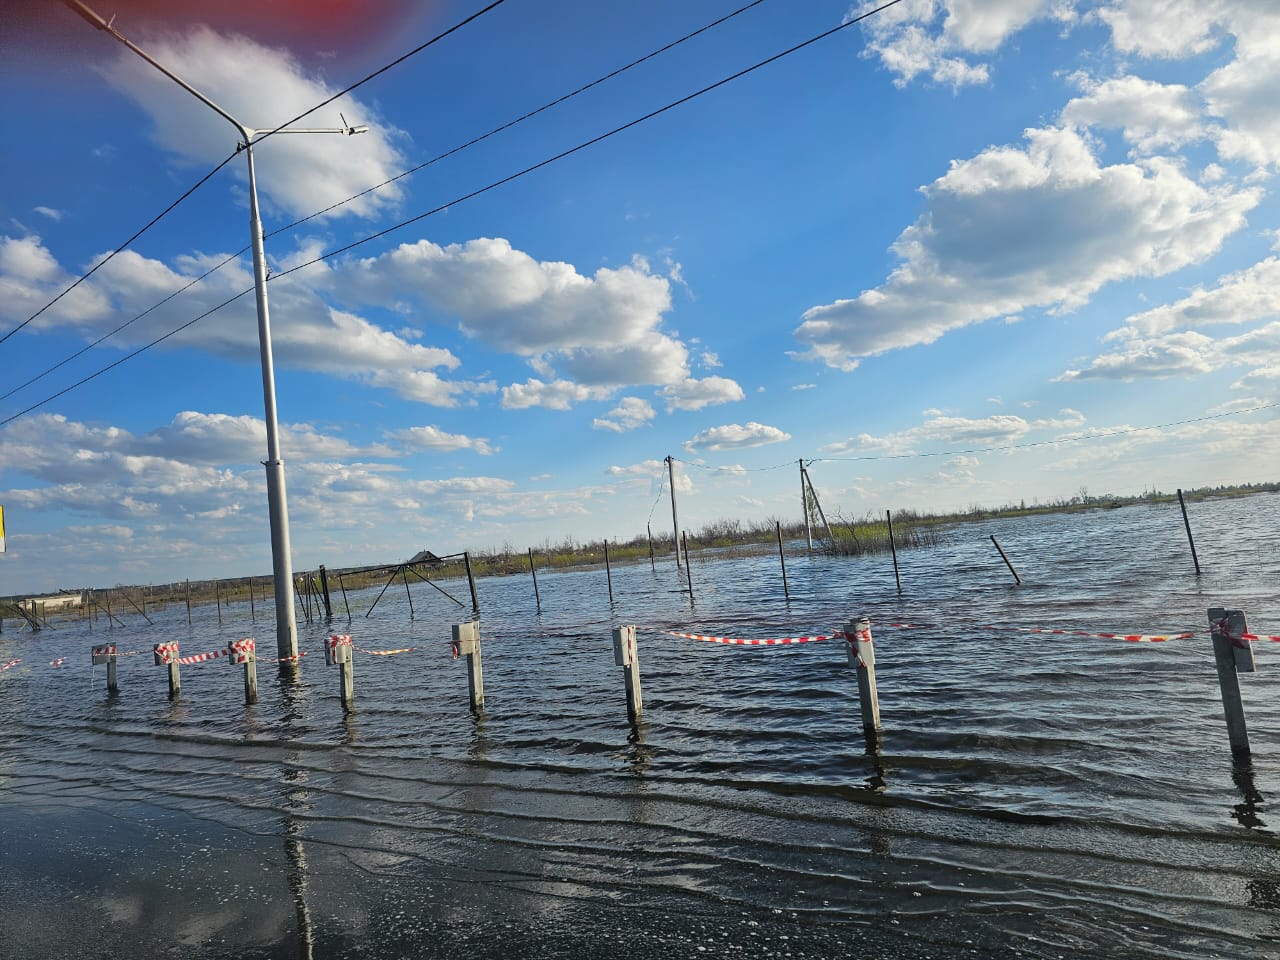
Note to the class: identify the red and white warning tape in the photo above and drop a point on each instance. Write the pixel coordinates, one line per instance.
(10, 665)
(57, 663)
(1131, 637)
(762, 642)
(384, 653)
(202, 657)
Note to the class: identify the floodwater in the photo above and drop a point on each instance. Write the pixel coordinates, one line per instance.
(1035, 795)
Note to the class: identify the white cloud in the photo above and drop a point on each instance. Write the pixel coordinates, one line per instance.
(1242, 297)
(1011, 229)
(629, 414)
(944, 39)
(694, 394)
(804, 386)
(1152, 116)
(711, 360)
(50, 212)
(433, 438)
(733, 436)
(557, 395)
(262, 87)
(941, 430)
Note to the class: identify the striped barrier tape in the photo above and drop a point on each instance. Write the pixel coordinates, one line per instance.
(1131, 637)
(203, 657)
(57, 663)
(10, 665)
(761, 642)
(383, 653)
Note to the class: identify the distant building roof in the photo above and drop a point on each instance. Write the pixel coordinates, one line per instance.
(424, 556)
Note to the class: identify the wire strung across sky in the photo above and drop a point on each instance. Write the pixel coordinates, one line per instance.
(412, 170)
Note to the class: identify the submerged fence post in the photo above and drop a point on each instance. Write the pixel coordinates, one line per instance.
(245, 651)
(862, 658)
(471, 582)
(466, 643)
(1017, 578)
(1232, 653)
(1187, 524)
(534, 572)
(188, 601)
(106, 653)
(253, 614)
(608, 571)
(688, 573)
(648, 528)
(324, 587)
(337, 652)
(343, 587)
(166, 654)
(782, 559)
(893, 546)
(626, 656)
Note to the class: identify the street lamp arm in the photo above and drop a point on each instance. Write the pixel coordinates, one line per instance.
(96, 21)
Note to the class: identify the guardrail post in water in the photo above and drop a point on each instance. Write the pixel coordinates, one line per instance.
(466, 643)
(245, 651)
(167, 654)
(106, 653)
(1187, 524)
(626, 656)
(337, 652)
(862, 658)
(1232, 654)
(1004, 557)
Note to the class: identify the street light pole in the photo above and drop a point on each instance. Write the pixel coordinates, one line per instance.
(277, 503)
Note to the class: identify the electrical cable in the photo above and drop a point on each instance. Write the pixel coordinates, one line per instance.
(103, 262)
(494, 185)
(470, 143)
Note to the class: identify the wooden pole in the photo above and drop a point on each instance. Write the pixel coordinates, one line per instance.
(217, 592)
(1232, 653)
(782, 559)
(466, 643)
(626, 656)
(534, 572)
(253, 614)
(648, 528)
(407, 592)
(471, 582)
(608, 571)
(893, 546)
(818, 503)
(688, 573)
(324, 588)
(862, 658)
(1017, 578)
(343, 586)
(804, 506)
(109, 617)
(675, 520)
(1190, 539)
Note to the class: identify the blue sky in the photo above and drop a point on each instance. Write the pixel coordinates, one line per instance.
(937, 253)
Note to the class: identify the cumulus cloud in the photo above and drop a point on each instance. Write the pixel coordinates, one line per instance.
(302, 173)
(946, 40)
(942, 430)
(629, 414)
(694, 394)
(556, 395)
(1016, 228)
(1151, 116)
(433, 438)
(733, 436)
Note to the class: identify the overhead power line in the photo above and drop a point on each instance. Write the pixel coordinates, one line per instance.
(400, 176)
(492, 186)
(416, 50)
(124, 246)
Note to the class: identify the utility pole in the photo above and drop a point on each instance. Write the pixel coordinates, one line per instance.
(675, 520)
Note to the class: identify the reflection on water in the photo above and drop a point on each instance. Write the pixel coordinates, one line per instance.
(1030, 794)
